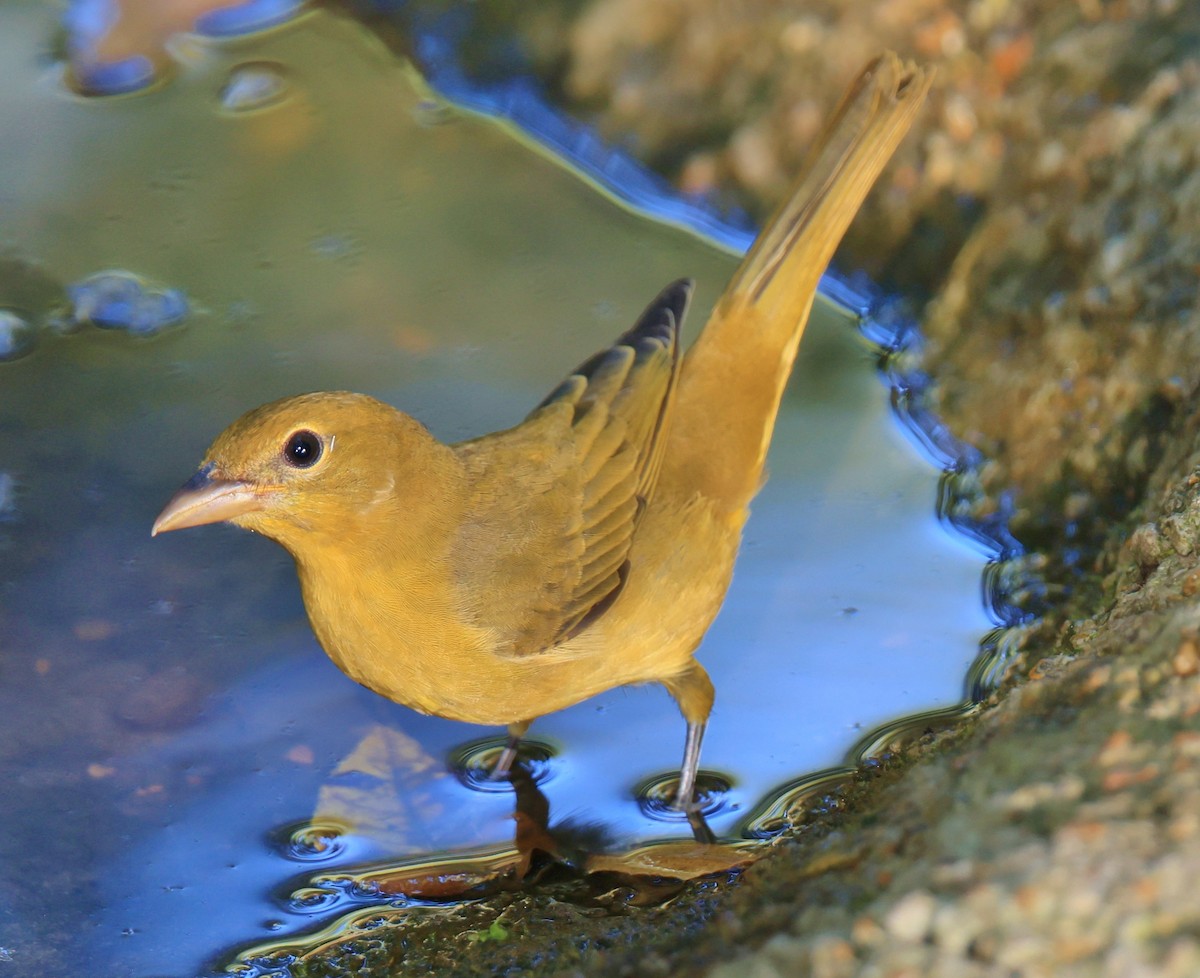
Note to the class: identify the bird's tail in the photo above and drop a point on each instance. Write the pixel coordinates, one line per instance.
(734, 376)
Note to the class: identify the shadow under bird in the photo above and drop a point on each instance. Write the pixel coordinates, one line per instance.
(503, 578)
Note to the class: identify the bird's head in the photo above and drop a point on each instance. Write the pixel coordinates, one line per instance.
(307, 467)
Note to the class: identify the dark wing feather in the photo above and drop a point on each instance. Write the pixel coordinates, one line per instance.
(557, 499)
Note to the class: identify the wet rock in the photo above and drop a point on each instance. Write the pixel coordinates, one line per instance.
(122, 300)
(253, 86)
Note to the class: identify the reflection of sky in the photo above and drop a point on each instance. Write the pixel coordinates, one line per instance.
(470, 275)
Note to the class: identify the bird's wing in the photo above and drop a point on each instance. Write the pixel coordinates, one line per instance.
(556, 500)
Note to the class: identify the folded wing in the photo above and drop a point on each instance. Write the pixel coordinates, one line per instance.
(556, 500)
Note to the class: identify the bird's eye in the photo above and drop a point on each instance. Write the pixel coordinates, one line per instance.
(302, 449)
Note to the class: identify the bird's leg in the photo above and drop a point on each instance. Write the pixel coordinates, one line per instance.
(693, 691)
(508, 756)
(700, 830)
(685, 797)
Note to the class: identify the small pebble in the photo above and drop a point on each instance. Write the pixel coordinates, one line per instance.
(1187, 658)
(865, 932)
(1147, 545)
(910, 919)
(831, 957)
(1191, 583)
(1031, 796)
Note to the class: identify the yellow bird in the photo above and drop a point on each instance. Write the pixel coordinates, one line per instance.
(500, 579)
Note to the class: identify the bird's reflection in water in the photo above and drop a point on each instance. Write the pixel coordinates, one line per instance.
(577, 855)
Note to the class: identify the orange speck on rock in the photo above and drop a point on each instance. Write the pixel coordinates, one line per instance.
(1097, 678)
(906, 178)
(1076, 948)
(41, 666)
(301, 754)
(413, 339)
(1145, 890)
(1088, 833)
(286, 129)
(1009, 60)
(1186, 661)
(1041, 669)
(137, 28)
(1116, 748)
(941, 36)
(149, 790)
(700, 174)
(837, 952)
(99, 771)
(1185, 827)
(1191, 584)
(1123, 778)
(94, 629)
(866, 932)
(1027, 897)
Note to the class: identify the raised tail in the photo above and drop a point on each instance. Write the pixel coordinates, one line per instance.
(734, 376)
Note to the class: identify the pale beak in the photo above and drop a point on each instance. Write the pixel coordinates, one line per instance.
(203, 499)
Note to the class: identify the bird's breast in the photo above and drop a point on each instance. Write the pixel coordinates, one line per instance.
(403, 637)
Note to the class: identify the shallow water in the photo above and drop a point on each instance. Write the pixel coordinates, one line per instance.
(167, 720)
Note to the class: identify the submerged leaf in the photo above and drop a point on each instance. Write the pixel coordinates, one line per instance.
(677, 860)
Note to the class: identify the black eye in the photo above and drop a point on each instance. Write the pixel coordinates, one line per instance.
(302, 449)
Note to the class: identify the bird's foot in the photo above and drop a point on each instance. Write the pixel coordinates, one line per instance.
(504, 763)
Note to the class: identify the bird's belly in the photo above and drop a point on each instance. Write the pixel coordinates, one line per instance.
(680, 567)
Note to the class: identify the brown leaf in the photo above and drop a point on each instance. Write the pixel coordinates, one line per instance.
(448, 880)
(678, 860)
